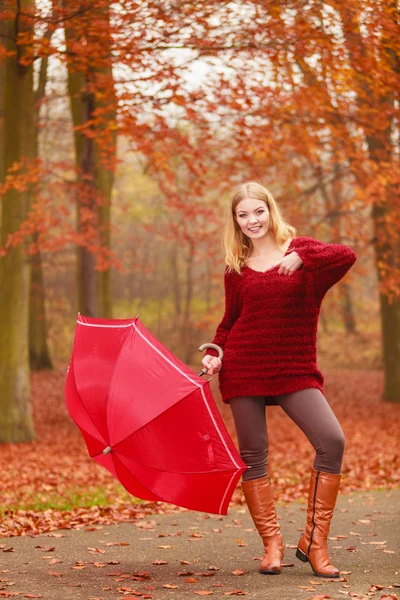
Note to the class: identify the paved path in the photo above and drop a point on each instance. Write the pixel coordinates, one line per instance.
(118, 561)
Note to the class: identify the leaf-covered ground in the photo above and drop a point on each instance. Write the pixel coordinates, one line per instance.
(52, 483)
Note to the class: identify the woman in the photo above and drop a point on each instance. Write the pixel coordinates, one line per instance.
(274, 285)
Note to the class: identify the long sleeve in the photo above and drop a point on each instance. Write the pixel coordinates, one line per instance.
(232, 310)
(326, 263)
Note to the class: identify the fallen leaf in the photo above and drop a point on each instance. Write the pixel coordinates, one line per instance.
(116, 543)
(375, 588)
(204, 593)
(239, 572)
(159, 562)
(170, 586)
(378, 543)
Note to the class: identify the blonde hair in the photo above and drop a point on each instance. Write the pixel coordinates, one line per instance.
(237, 245)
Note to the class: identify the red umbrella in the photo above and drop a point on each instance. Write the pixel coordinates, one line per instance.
(148, 418)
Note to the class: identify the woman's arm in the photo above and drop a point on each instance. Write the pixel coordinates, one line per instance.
(327, 263)
(232, 310)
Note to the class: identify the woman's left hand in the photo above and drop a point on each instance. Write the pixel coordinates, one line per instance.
(288, 264)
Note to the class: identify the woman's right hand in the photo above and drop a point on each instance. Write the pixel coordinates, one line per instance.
(211, 364)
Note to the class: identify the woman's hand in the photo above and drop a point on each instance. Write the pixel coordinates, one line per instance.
(211, 364)
(288, 264)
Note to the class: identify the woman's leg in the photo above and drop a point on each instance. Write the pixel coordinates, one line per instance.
(249, 416)
(311, 412)
(251, 428)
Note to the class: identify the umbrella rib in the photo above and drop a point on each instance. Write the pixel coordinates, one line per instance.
(99, 325)
(118, 454)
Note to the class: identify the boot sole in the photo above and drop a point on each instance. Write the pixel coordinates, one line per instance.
(269, 572)
(304, 558)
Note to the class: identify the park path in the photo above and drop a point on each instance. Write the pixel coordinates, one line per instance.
(186, 555)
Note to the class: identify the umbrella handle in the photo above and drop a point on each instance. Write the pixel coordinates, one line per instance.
(216, 347)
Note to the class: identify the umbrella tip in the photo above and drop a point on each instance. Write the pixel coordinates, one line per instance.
(107, 450)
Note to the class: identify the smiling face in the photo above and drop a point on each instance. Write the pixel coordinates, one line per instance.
(252, 216)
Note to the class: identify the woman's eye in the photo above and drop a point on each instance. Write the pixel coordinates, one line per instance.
(259, 212)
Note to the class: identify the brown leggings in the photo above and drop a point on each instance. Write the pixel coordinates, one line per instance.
(309, 409)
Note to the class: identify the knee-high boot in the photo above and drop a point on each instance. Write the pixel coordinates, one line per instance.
(258, 495)
(313, 546)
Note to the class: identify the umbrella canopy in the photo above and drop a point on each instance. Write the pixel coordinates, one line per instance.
(148, 418)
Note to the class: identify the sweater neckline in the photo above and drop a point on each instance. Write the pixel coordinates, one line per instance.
(270, 270)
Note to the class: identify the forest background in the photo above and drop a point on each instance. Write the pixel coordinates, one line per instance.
(124, 127)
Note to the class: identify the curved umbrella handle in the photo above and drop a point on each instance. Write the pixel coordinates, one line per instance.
(216, 347)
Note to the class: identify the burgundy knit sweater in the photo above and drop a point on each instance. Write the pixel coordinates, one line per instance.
(269, 328)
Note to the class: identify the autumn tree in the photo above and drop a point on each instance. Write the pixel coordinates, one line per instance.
(17, 151)
(315, 101)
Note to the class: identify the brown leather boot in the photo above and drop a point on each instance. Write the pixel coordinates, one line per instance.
(258, 494)
(312, 546)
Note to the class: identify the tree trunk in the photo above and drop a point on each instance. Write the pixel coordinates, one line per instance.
(383, 150)
(16, 423)
(347, 308)
(3, 31)
(104, 276)
(95, 165)
(187, 325)
(39, 355)
(344, 288)
(391, 348)
(176, 285)
(390, 315)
